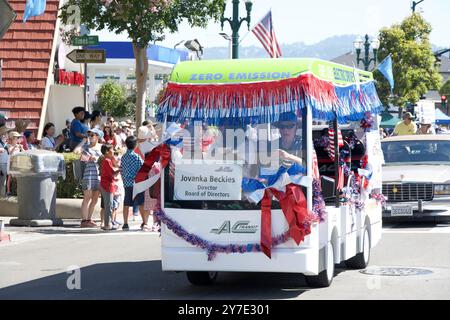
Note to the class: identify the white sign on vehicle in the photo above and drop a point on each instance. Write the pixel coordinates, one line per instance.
(425, 111)
(401, 211)
(203, 181)
(376, 158)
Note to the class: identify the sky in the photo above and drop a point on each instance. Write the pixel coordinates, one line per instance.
(311, 21)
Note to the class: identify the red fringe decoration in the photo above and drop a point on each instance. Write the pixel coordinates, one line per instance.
(248, 95)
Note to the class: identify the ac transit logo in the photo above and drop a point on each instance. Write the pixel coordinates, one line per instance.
(238, 227)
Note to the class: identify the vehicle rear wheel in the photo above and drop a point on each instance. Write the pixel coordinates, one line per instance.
(324, 278)
(201, 278)
(361, 260)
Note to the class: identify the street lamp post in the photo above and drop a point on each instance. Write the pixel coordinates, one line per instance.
(195, 46)
(414, 5)
(230, 44)
(359, 44)
(235, 24)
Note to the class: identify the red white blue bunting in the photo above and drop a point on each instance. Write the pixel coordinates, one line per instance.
(264, 102)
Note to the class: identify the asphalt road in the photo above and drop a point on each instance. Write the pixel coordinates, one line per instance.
(126, 265)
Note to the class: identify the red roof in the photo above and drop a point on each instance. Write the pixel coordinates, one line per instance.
(26, 51)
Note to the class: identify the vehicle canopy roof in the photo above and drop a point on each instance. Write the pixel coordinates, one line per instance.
(260, 90)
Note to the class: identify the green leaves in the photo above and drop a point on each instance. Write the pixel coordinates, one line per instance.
(445, 89)
(145, 21)
(111, 98)
(413, 61)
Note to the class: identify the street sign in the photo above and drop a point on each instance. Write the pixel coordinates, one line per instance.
(84, 41)
(87, 56)
(7, 17)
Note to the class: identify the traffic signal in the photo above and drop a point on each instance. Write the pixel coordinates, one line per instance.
(443, 101)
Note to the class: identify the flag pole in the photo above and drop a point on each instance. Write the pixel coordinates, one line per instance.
(376, 67)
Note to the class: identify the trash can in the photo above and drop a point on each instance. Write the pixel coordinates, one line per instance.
(36, 172)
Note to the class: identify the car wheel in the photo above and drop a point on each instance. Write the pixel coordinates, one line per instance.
(324, 278)
(361, 260)
(201, 278)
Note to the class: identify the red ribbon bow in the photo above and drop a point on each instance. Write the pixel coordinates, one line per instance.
(294, 206)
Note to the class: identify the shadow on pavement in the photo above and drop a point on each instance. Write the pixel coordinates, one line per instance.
(83, 231)
(416, 224)
(145, 280)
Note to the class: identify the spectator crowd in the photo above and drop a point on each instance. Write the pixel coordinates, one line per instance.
(110, 155)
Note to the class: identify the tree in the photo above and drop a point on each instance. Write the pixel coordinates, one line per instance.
(413, 61)
(111, 98)
(445, 89)
(145, 21)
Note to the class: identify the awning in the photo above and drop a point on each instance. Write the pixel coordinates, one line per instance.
(388, 120)
(441, 118)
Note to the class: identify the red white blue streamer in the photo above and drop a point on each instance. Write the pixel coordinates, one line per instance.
(264, 102)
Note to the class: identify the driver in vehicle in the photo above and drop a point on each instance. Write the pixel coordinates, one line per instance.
(289, 144)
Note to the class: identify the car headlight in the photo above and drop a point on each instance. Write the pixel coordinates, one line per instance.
(442, 189)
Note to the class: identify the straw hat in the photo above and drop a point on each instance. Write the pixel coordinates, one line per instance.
(408, 115)
(14, 134)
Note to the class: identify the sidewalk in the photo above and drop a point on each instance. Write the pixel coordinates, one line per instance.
(71, 227)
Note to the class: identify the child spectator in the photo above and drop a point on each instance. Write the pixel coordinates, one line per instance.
(130, 165)
(118, 184)
(107, 185)
(117, 199)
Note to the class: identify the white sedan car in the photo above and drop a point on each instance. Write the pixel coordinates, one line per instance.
(416, 177)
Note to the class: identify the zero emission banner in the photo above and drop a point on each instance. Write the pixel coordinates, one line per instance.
(256, 70)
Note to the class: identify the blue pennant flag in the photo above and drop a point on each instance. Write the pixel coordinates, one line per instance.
(34, 8)
(385, 68)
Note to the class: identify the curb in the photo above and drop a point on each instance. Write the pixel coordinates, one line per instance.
(65, 208)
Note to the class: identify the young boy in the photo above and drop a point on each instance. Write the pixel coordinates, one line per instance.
(117, 197)
(107, 185)
(130, 165)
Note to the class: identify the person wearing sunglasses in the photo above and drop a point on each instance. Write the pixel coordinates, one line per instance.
(90, 150)
(289, 144)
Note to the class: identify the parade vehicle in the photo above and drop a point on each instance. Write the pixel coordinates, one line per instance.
(241, 185)
(416, 177)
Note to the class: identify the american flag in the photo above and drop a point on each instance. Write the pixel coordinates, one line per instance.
(331, 140)
(265, 33)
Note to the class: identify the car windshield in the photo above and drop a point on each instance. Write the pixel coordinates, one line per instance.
(207, 170)
(416, 151)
